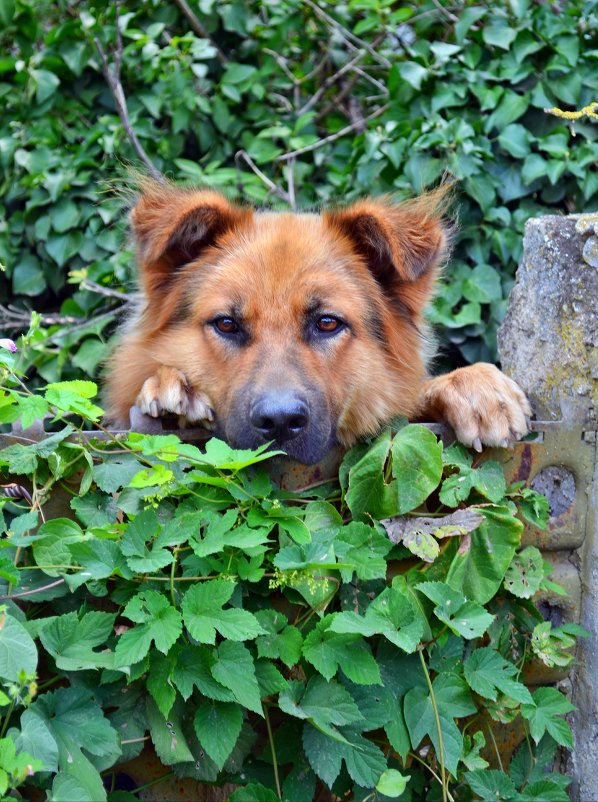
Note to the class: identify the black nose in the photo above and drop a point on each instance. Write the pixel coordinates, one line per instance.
(279, 416)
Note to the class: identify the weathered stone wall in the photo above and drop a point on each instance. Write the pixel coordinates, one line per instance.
(549, 344)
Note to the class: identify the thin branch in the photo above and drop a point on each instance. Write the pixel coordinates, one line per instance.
(17, 319)
(241, 154)
(99, 289)
(348, 35)
(337, 100)
(331, 80)
(378, 84)
(445, 12)
(199, 29)
(321, 142)
(32, 592)
(112, 77)
(291, 184)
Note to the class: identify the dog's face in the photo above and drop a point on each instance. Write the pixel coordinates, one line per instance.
(302, 329)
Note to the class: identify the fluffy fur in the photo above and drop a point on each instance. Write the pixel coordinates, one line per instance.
(280, 278)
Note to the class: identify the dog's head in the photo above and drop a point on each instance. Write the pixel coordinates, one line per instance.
(303, 329)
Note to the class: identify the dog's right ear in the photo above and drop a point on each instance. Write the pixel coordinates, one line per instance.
(174, 226)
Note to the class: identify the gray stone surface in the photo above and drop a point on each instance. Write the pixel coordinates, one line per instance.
(548, 343)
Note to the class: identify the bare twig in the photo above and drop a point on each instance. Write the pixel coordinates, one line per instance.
(330, 81)
(31, 592)
(445, 12)
(337, 100)
(18, 319)
(347, 130)
(378, 84)
(112, 77)
(99, 289)
(291, 183)
(348, 35)
(241, 154)
(199, 29)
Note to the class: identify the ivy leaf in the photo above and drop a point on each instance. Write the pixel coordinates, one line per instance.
(158, 622)
(328, 650)
(203, 614)
(71, 641)
(487, 672)
(365, 548)
(544, 715)
(465, 618)
(217, 726)
(525, 573)
(234, 668)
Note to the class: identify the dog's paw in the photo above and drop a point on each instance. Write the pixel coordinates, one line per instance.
(169, 392)
(483, 406)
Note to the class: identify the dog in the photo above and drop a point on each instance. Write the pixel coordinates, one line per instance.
(306, 330)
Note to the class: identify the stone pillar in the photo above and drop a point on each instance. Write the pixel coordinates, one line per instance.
(549, 344)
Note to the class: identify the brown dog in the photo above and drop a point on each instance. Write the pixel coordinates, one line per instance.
(303, 329)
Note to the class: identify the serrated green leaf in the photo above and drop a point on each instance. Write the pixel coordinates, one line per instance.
(157, 621)
(487, 672)
(234, 668)
(71, 641)
(17, 649)
(218, 725)
(525, 573)
(203, 614)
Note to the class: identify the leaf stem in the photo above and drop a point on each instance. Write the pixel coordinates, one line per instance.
(437, 717)
(273, 751)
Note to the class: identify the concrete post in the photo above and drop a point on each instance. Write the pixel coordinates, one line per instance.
(548, 343)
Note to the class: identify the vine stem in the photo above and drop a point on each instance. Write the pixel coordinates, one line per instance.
(437, 717)
(273, 751)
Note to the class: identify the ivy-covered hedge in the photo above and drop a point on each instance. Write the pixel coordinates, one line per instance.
(363, 635)
(403, 92)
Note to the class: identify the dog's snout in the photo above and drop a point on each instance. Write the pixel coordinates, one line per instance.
(279, 417)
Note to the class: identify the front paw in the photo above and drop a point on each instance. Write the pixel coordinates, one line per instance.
(482, 405)
(168, 391)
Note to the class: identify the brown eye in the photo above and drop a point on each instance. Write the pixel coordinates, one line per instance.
(328, 324)
(226, 325)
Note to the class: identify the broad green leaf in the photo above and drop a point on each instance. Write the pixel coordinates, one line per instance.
(217, 725)
(320, 701)
(487, 672)
(416, 466)
(491, 784)
(392, 783)
(136, 541)
(17, 649)
(421, 722)
(193, 669)
(71, 641)
(203, 614)
(157, 621)
(168, 736)
(34, 736)
(465, 618)
(253, 792)
(234, 668)
(544, 715)
(328, 650)
(525, 573)
(78, 725)
(391, 614)
(479, 569)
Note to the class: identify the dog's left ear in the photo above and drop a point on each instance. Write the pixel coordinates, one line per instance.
(400, 242)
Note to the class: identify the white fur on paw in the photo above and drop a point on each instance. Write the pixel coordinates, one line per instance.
(168, 392)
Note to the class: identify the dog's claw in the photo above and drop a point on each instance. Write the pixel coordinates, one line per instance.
(477, 444)
(153, 409)
(504, 443)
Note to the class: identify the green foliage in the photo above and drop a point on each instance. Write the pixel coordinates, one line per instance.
(191, 613)
(460, 90)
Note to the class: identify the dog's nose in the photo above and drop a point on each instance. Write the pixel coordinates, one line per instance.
(279, 417)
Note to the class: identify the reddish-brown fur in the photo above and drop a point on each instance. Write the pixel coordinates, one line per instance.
(372, 265)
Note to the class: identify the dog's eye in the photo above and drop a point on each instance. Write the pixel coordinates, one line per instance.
(226, 325)
(328, 324)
